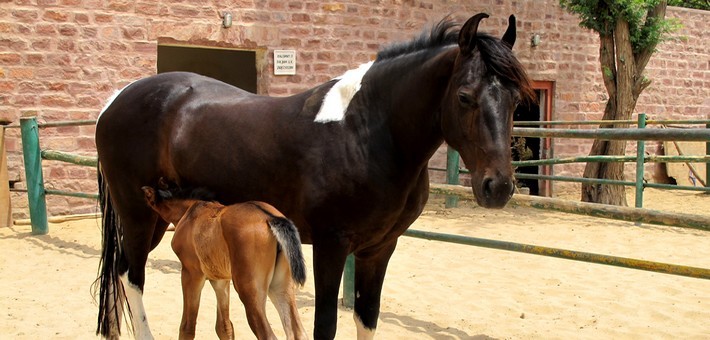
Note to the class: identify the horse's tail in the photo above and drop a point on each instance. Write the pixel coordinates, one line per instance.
(111, 294)
(287, 236)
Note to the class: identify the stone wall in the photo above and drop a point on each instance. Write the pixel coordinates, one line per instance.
(60, 59)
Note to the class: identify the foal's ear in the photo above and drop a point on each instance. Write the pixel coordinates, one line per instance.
(467, 35)
(163, 183)
(149, 194)
(509, 36)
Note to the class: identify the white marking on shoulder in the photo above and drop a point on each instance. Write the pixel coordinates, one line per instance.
(139, 319)
(336, 101)
(111, 99)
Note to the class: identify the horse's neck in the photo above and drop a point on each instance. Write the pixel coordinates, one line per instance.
(415, 118)
(173, 210)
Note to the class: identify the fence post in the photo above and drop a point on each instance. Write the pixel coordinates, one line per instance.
(349, 282)
(5, 204)
(33, 175)
(640, 155)
(707, 165)
(452, 175)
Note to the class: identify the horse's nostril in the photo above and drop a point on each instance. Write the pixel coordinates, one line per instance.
(487, 190)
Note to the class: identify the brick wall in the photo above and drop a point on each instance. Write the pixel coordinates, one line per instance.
(59, 59)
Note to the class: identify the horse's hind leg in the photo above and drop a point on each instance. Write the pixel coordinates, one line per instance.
(223, 327)
(251, 276)
(281, 293)
(253, 296)
(370, 268)
(138, 240)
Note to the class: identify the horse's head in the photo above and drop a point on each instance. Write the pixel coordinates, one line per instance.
(486, 85)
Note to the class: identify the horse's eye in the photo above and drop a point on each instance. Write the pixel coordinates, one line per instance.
(465, 99)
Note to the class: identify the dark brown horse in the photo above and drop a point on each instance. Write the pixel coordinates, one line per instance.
(351, 153)
(251, 243)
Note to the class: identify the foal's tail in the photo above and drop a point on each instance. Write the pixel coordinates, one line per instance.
(287, 236)
(111, 294)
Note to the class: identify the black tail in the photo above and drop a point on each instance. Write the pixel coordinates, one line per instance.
(287, 236)
(111, 294)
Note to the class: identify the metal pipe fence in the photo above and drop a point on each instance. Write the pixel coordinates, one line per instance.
(36, 193)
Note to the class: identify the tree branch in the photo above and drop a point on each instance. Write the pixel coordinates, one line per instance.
(652, 17)
(608, 65)
(626, 74)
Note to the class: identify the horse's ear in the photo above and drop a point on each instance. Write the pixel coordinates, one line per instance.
(509, 36)
(467, 35)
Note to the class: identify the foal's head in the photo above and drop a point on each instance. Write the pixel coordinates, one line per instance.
(486, 85)
(170, 201)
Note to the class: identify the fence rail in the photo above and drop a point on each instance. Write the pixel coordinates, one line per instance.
(36, 194)
(623, 213)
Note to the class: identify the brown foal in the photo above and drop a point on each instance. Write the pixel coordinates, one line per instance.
(251, 243)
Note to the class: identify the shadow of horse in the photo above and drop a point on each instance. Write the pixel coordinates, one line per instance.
(52, 243)
(165, 266)
(429, 328)
(63, 246)
(305, 298)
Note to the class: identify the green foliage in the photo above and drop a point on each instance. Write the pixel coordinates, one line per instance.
(697, 4)
(602, 15)
(607, 72)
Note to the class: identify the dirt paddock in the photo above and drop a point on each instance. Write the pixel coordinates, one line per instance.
(433, 290)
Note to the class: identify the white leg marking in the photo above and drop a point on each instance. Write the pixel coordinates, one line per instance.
(139, 319)
(363, 333)
(336, 101)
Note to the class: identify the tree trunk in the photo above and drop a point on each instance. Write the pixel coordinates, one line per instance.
(605, 193)
(622, 72)
(619, 72)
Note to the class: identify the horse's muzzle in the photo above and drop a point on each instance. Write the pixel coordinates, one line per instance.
(496, 192)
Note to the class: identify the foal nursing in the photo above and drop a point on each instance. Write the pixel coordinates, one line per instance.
(251, 243)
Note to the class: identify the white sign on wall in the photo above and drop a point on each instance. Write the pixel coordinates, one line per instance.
(284, 62)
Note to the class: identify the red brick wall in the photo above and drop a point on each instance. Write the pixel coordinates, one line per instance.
(59, 59)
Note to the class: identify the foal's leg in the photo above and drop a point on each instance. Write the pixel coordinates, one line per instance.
(192, 283)
(251, 274)
(281, 293)
(224, 327)
(328, 263)
(370, 267)
(252, 292)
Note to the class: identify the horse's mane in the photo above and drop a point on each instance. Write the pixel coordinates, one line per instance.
(496, 55)
(444, 33)
(500, 60)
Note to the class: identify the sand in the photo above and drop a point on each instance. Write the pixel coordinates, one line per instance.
(433, 290)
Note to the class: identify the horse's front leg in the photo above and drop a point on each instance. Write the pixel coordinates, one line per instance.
(328, 263)
(370, 268)
(192, 283)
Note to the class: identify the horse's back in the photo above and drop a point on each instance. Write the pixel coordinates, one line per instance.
(136, 133)
(249, 220)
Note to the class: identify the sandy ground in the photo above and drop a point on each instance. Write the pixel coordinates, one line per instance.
(433, 290)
